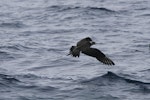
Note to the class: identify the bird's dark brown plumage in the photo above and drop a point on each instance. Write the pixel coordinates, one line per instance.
(84, 46)
(98, 55)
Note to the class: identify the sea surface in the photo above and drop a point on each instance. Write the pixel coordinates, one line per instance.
(35, 37)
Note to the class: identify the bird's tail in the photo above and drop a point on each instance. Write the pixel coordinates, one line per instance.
(74, 51)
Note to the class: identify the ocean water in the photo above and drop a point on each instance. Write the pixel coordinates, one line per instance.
(35, 37)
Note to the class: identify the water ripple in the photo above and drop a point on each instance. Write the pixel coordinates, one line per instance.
(12, 25)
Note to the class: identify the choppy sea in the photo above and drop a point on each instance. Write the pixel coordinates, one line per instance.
(35, 37)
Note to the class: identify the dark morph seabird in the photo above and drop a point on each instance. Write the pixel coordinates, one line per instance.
(84, 46)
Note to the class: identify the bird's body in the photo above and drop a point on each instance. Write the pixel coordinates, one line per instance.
(84, 46)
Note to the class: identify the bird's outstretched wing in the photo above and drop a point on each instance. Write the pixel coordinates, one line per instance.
(98, 55)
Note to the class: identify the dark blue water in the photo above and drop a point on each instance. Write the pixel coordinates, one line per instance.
(35, 37)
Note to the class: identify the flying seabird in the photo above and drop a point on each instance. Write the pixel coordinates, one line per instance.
(84, 46)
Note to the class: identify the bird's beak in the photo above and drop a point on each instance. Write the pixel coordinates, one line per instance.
(92, 42)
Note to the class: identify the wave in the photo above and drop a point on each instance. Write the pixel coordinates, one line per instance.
(29, 81)
(112, 77)
(113, 80)
(7, 80)
(88, 8)
(5, 56)
(12, 51)
(144, 15)
(145, 70)
(61, 7)
(12, 25)
(101, 9)
(14, 47)
(3, 53)
(30, 76)
(37, 87)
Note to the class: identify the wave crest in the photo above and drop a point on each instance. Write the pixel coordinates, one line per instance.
(112, 77)
(88, 8)
(7, 80)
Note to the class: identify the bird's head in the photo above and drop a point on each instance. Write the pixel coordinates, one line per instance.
(90, 40)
